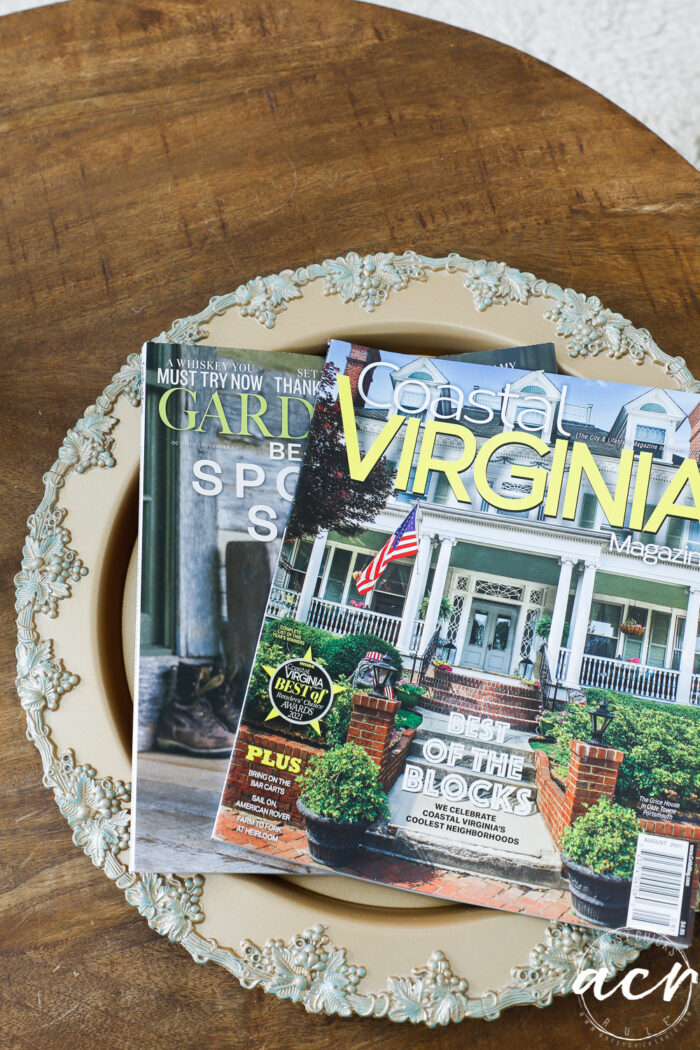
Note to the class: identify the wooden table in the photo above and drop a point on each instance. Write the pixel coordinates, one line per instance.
(156, 153)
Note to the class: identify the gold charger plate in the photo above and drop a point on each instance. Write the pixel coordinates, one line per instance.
(333, 945)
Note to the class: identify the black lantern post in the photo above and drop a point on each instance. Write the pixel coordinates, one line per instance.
(600, 720)
(526, 665)
(382, 672)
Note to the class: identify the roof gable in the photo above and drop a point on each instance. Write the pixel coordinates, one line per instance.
(654, 404)
(540, 380)
(659, 398)
(422, 369)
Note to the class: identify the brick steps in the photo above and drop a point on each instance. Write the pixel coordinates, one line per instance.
(504, 699)
(508, 685)
(528, 859)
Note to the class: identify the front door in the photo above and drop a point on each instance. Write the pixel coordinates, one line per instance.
(488, 644)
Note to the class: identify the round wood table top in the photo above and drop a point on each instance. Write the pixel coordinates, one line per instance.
(156, 152)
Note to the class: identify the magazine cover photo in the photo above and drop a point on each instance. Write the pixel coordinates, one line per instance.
(479, 671)
(223, 435)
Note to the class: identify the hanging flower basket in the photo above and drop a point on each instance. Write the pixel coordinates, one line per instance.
(632, 628)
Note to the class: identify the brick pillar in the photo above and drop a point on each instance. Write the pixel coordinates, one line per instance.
(358, 359)
(592, 775)
(694, 420)
(372, 724)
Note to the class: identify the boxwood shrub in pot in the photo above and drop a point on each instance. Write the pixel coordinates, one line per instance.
(341, 796)
(598, 852)
(409, 695)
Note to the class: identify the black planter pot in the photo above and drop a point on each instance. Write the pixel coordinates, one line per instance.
(332, 842)
(409, 701)
(601, 898)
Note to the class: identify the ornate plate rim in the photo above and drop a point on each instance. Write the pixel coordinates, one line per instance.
(307, 968)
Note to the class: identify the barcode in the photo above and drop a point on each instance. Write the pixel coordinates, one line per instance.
(658, 884)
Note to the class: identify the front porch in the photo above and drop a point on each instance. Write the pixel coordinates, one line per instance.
(340, 619)
(608, 621)
(636, 679)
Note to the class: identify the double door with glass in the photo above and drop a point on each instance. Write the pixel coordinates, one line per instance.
(488, 643)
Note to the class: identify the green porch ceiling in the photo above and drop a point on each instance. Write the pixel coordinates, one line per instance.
(372, 539)
(644, 590)
(513, 565)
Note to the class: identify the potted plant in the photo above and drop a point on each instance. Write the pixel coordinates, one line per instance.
(598, 852)
(341, 796)
(544, 626)
(442, 670)
(409, 695)
(631, 626)
(445, 608)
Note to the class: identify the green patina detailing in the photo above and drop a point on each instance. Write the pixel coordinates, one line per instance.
(306, 967)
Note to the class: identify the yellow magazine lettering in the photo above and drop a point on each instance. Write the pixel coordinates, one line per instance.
(687, 474)
(215, 410)
(582, 462)
(537, 475)
(360, 467)
(190, 412)
(450, 468)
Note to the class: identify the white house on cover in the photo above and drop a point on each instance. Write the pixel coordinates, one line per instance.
(503, 571)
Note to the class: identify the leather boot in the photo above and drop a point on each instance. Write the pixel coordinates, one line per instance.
(226, 701)
(187, 722)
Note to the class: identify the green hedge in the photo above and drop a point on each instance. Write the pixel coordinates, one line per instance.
(408, 719)
(311, 636)
(340, 656)
(661, 744)
(689, 711)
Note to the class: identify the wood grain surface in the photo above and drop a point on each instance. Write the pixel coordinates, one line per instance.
(155, 153)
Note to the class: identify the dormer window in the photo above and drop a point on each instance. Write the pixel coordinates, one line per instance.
(633, 429)
(419, 388)
(413, 400)
(441, 493)
(408, 496)
(650, 439)
(588, 511)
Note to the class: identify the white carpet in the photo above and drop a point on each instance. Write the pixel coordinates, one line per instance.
(644, 55)
(9, 7)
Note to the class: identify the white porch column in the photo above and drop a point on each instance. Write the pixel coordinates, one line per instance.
(579, 629)
(577, 599)
(561, 600)
(690, 633)
(416, 590)
(311, 578)
(437, 590)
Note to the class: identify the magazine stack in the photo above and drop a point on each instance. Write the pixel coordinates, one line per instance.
(424, 621)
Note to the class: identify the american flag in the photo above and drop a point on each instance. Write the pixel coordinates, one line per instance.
(374, 657)
(402, 544)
